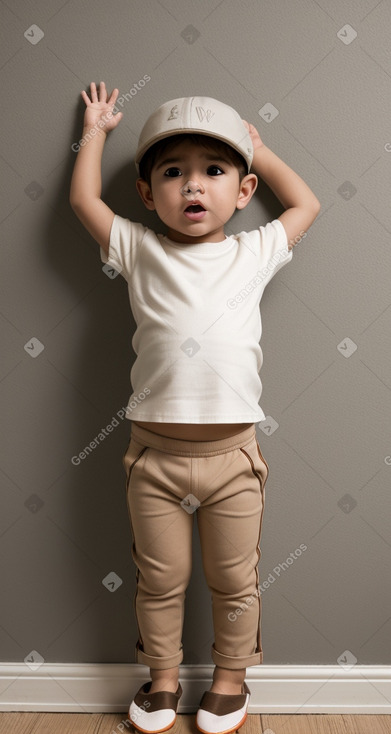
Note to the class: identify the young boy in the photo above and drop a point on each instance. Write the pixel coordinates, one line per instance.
(195, 296)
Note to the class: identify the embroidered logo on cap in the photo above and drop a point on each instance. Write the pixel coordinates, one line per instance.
(202, 114)
(174, 112)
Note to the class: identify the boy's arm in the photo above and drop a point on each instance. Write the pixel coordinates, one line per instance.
(86, 184)
(302, 206)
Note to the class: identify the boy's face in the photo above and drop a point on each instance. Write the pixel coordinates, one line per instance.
(193, 176)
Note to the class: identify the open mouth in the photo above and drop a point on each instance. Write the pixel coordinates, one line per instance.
(195, 212)
(195, 208)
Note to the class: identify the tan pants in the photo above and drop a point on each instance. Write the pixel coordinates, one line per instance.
(222, 482)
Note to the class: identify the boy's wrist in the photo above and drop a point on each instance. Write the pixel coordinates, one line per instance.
(93, 132)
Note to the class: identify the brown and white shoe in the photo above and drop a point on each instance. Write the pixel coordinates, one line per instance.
(154, 712)
(220, 713)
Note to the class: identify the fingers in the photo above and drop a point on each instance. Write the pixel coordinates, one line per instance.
(102, 92)
(101, 96)
(94, 95)
(85, 97)
(113, 97)
(250, 127)
(117, 118)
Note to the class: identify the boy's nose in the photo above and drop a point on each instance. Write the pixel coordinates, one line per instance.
(190, 189)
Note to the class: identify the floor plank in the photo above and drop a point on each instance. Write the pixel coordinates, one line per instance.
(66, 723)
(115, 723)
(53, 723)
(325, 724)
(22, 723)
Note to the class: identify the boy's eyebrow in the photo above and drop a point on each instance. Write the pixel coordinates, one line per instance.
(208, 156)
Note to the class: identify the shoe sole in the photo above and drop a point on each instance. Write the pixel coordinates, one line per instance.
(226, 731)
(151, 731)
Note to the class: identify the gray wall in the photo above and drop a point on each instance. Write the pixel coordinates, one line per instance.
(326, 319)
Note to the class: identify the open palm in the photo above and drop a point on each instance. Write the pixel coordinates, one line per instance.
(100, 109)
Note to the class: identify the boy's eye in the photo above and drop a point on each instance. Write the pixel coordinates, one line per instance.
(172, 172)
(215, 171)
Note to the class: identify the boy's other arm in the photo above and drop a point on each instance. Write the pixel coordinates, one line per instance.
(301, 205)
(86, 183)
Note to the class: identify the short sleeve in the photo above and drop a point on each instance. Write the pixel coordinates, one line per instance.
(125, 237)
(273, 252)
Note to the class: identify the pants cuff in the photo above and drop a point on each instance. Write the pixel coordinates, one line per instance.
(234, 663)
(160, 663)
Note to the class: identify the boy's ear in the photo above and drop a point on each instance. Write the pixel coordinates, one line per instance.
(145, 192)
(247, 188)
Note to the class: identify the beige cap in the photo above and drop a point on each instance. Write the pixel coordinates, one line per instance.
(203, 115)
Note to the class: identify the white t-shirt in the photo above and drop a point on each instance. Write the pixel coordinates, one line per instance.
(196, 307)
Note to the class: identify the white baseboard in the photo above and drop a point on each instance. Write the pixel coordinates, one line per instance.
(275, 689)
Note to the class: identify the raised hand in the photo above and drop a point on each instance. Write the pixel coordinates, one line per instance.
(254, 135)
(99, 109)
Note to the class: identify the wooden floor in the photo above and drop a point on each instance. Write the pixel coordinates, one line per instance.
(37, 723)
